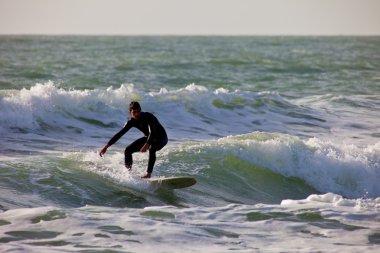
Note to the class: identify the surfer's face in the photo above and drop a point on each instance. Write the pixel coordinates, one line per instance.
(135, 113)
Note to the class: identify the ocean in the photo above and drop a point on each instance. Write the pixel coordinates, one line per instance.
(282, 135)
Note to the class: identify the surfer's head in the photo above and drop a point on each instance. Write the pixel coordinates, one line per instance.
(135, 109)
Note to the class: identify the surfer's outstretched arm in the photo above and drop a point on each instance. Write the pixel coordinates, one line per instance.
(115, 138)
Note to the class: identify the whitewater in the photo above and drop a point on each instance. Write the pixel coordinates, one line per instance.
(281, 134)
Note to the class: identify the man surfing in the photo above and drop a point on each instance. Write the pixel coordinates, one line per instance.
(154, 139)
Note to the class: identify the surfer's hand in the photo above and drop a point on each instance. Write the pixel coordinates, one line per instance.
(104, 150)
(145, 148)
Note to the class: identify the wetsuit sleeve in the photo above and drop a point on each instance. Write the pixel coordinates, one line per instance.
(152, 129)
(117, 136)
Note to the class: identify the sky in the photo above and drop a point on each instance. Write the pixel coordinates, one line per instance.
(190, 17)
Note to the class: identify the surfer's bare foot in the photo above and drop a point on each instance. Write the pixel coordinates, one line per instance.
(147, 175)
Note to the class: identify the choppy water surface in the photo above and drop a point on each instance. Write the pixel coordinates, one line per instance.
(281, 134)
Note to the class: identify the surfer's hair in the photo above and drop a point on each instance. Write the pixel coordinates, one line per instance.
(134, 105)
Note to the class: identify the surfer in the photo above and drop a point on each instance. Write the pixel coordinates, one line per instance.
(154, 139)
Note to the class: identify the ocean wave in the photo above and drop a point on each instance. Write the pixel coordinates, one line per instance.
(259, 167)
(318, 165)
(254, 168)
(193, 111)
(265, 132)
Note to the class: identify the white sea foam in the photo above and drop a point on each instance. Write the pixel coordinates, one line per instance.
(111, 168)
(244, 228)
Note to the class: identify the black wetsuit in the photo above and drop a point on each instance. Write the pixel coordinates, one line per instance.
(155, 136)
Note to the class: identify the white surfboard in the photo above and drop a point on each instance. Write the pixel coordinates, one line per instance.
(172, 182)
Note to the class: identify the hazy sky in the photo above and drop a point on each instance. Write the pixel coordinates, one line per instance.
(190, 17)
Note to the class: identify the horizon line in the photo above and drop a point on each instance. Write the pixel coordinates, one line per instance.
(186, 35)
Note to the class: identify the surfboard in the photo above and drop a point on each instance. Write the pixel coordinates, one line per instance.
(172, 182)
